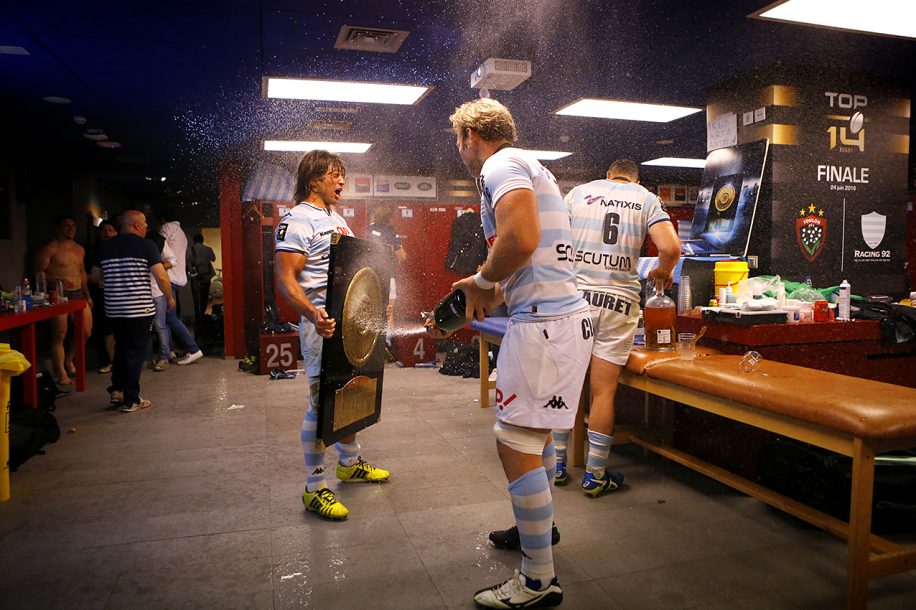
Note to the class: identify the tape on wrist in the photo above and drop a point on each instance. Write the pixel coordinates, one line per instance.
(483, 282)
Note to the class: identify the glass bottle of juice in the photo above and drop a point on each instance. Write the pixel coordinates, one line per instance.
(659, 314)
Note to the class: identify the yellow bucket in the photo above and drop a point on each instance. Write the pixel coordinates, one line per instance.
(12, 363)
(730, 272)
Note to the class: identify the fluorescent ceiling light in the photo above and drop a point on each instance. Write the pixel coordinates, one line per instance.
(549, 155)
(302, 146)
(628, 111)
(12, 50)
(343, 91)
(676, 162)
(886, 17)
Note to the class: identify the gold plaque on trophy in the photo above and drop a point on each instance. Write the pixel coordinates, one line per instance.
(354, 401)
(362, 312)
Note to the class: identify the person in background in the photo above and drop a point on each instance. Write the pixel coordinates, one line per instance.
(62, 259)
(303, 246)
(382, 231)
(123, 268)
(102, 332)
(467, 247)
(610, 220)
(548, 339)
(174, 264)
(168, 325)
(201, 272)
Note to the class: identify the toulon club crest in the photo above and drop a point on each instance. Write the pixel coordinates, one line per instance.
(811, 231)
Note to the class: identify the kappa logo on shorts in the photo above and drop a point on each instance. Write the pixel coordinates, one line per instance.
(556, 402)
(499, 399)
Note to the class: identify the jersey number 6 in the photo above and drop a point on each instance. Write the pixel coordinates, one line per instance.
(611, 228)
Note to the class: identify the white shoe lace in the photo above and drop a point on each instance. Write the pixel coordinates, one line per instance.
(511, 586)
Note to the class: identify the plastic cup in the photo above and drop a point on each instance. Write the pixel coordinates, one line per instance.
(750, 362)
(685, 346)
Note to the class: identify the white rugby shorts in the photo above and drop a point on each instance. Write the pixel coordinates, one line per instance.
(615, 318)
(542, 367)
(310, 342)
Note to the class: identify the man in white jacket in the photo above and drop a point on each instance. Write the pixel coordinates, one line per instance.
(173, 259)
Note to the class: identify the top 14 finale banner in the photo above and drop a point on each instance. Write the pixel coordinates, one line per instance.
(840, 192)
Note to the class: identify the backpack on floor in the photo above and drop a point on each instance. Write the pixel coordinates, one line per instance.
(463, 360)
(33, 428)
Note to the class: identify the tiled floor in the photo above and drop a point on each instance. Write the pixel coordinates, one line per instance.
(196, 503)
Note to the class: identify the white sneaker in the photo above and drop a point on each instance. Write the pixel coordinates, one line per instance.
(514, 593)
(142, 403)
(189, 358)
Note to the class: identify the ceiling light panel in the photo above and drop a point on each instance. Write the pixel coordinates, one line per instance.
(13, 50)
(304, 146)
(344, 91)
(626, 111)
(885, 17)
(676, 162)
(549, 155)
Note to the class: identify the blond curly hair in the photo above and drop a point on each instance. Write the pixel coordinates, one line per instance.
(491, 120)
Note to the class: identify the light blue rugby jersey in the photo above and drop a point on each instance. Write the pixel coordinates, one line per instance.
(546, 284)
(307, 230)
(609, 224)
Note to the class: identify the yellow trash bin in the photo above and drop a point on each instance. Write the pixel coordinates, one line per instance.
(12, 363)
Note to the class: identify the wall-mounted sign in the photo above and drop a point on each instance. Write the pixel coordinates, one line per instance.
(404, 186)
(722, 131)
(358, 185)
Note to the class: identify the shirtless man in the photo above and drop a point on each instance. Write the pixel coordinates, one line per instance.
(62, 259)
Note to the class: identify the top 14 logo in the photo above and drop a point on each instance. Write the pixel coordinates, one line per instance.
(851, 135)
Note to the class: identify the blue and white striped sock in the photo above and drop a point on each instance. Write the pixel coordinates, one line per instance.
(599, 447)
(533, 508)
(550, 461)
(560, 440)
(311, 449)
(349, 452)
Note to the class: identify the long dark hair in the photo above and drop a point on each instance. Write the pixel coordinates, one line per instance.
(313, 166)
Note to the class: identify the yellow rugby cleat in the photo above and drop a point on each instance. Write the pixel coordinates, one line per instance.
(361, 472)
(325, 504)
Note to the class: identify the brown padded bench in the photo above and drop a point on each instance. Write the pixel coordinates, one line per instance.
(850, 416)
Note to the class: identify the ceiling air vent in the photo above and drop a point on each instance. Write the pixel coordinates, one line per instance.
(379, 40)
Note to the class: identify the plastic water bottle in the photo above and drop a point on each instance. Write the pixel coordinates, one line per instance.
(843, 300)
(19, 304)
(659, 314)
(27, 294)
(41, 285)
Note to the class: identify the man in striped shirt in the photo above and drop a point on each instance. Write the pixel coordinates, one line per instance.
(610, 219)
(548, 340)
(123, 266)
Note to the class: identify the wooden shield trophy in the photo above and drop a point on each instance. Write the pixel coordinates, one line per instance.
(353, 359)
